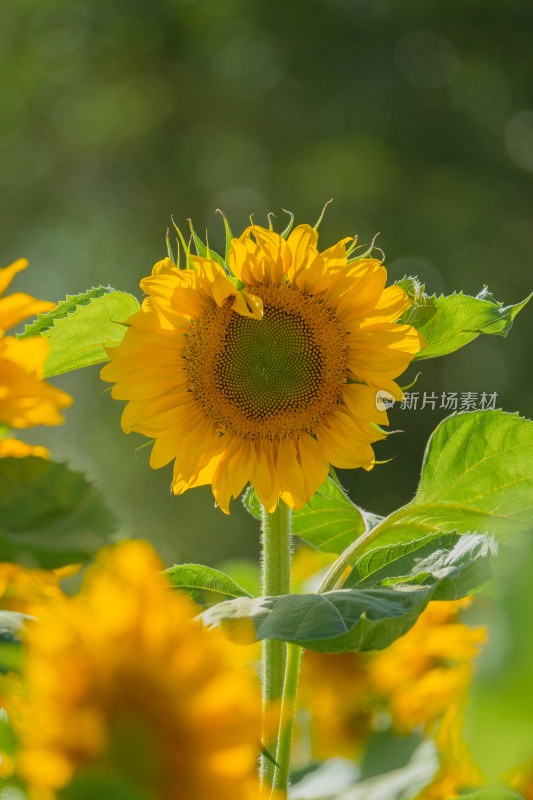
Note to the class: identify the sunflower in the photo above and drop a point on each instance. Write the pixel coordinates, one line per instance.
(429, 669)
(267, 375)
(122, 682)
(25, 399)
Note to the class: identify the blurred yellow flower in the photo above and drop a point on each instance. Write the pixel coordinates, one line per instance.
(25, 399)
(268, 377)
(17, 449)
(415, 681)
(458, 770)
(122, 680)
(428, 669)
(26, 590)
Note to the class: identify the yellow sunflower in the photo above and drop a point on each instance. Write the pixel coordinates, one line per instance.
(25, 399)
(122, 681)
(429, 669)
(268, 376)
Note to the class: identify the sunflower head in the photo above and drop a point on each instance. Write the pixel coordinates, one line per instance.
(25, 399)
(264, 370)
(122, 682)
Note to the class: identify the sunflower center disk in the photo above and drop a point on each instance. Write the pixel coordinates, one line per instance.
(269, 377)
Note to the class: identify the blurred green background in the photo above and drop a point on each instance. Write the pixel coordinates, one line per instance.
(416, 117)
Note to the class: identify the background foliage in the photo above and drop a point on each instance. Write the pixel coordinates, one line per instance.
(416, 117)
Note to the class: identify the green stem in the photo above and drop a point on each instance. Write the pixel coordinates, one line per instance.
(276, 574)
(334, 573)
(288, 710)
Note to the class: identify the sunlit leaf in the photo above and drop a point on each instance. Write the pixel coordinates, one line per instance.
(79, 328)
(206, 586)
(357, 619)
(477, 475)
(448, 323)
(428, 561)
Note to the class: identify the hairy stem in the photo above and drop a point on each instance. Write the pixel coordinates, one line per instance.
(276, 571)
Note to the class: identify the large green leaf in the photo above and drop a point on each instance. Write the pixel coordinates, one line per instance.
(80, 327)
(205, 585)
(448, 323)
(49, 515)
(428, 561)
(329, 521)
(477, 475)
(359, 619)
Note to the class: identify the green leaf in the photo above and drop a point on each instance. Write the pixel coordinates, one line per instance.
(206, 586)
(10, 658)
(448, 323)
(329, 521)
(341, 779)
(8, 740)
(428, 561)
(251, 502)
(79, 328)
(45, 321)
(49, 515)
(359, 619)
(11, 626)
(477, 475)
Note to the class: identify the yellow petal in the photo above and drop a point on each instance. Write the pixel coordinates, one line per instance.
(8, 273)
(17, 449)
(360, 400)
(19, 306)
(315, 466)
(341, 452)
(233, 472)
